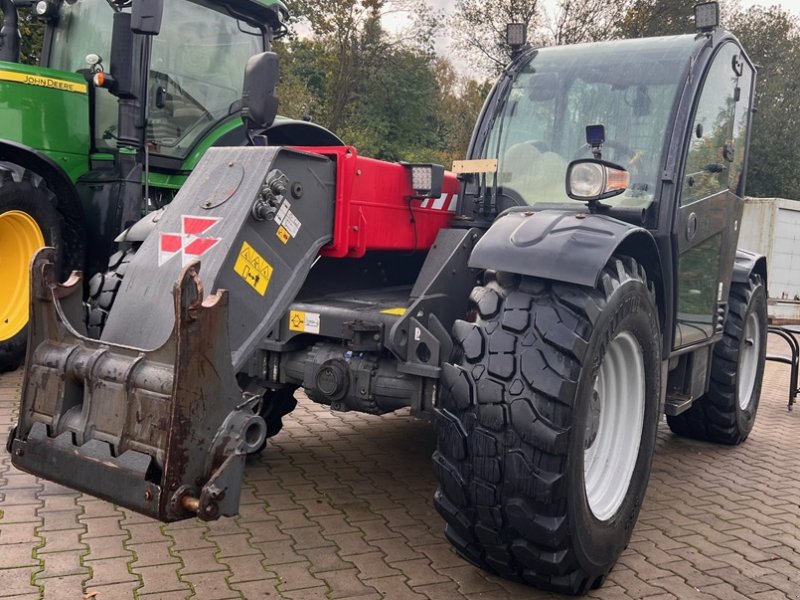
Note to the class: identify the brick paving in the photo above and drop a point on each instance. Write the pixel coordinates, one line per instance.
(339, 506)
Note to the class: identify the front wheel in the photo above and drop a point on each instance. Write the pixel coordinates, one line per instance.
(547, 425)
(727, 412)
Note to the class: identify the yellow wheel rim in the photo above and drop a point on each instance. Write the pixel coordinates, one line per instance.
(20, 238)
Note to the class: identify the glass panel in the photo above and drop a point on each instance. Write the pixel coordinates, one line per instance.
(84, 27)
(740, 127)
(628, 86)
(711, 149)
(196, 74)
(698, 288)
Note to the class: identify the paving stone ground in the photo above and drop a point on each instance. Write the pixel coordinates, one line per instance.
(339, 506)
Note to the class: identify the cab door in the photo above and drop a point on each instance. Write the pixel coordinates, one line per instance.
(711, 197)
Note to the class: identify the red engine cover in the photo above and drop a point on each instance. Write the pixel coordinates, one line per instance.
(375, 209)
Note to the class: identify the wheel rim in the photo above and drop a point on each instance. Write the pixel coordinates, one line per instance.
(614, 426)
(20, 238)
(748, 360)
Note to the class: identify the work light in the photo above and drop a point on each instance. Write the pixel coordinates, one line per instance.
(706, 16)
(426, 179)
(516, 34)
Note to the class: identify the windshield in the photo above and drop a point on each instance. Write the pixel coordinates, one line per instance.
(196, 71)
(196, 74)
(84, 27)
(628, 86)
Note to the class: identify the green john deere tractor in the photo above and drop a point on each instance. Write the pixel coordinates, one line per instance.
(79, 163)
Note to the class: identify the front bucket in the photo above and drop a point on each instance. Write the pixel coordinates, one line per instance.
(163, 431)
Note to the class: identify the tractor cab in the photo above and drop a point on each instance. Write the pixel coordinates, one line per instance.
(194, 66)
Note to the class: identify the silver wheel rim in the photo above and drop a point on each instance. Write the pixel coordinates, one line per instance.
(748, 360)
(614, 426)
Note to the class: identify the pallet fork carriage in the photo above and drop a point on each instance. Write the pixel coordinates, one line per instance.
(579, 277)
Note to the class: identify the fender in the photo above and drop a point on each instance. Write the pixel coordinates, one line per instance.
(141, 229)
(563, 246)
(746, 263)
(290, 132)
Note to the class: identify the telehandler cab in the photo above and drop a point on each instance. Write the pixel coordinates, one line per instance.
(544, 326)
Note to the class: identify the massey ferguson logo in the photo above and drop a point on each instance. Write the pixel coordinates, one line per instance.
(191, 243)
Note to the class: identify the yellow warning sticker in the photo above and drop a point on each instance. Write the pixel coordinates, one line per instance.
(305, 322)
(40, 81)
(283, 235)
(253, 268)
(397, 312)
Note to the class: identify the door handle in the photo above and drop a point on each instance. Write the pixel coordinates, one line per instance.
(691, 227)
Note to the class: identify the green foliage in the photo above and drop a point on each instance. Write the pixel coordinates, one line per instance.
(32, 32)
(772, 39)
(648, 18)
(387, 94)
(479, 27)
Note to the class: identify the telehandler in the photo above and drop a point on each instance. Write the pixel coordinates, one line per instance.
(573, 280)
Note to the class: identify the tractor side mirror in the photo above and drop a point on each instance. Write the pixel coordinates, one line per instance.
(259, 103)
(146, 16)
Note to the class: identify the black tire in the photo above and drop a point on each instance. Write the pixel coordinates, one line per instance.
(512, 423)
(276, 405)
(103, 288)
(24, 192)
(719, 416)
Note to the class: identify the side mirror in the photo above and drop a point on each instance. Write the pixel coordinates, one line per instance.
(259, 103)
(146, 16)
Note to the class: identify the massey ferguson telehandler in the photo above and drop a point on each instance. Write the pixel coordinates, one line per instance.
(578, 278)
(108, 110)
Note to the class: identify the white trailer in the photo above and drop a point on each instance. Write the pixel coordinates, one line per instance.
(771, 226)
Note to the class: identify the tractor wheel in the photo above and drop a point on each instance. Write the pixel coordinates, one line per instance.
(727, 411)
(29, 220)
(547, 424)
(103, 288)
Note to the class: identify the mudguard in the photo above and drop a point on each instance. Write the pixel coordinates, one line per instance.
(747, 262)
(572, 247)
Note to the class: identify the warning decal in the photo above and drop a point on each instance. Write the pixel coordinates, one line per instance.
(283, 235)
(304, 322)
(253, 268)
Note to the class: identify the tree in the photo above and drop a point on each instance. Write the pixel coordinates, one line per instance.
(771, 37)
(32, 32)
(479, 27)
(647, 18)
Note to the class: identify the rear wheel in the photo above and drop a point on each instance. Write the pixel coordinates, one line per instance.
(29, 220)
(546, 426)
(727, 412)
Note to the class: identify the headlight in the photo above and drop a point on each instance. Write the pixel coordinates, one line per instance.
(591, 179)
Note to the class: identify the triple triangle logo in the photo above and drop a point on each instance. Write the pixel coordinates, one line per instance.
(190, 243)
